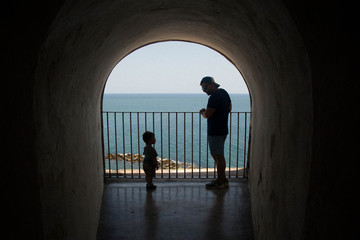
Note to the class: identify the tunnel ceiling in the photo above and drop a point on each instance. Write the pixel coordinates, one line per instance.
(252, 35)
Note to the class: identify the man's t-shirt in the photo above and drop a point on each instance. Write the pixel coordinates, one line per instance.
(217, 124)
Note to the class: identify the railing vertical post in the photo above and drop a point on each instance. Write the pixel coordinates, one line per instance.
(199, 145)
(237, 147)
(184, 145)
(108, 142)
(230, 145)
(123, 130)
(138, 130)
(153, 114)
(145, 121)
(161, 143)
(176, 143)
(215, 171)
(192, 145)
(207, 156)
(116, 150)
(131, 147)
(244, 168)
(103, 143)
(169, 142)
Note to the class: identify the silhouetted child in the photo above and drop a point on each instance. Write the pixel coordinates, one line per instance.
(150, 163)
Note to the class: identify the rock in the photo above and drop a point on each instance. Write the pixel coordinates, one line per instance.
(164, 163)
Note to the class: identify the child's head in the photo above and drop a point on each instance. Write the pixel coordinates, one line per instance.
(149, 137)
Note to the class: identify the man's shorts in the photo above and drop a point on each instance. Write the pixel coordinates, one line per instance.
(216, 144)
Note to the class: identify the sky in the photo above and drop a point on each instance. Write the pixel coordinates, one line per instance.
(173, 67)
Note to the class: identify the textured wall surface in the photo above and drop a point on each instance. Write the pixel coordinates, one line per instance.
(62, 53)
(90, 37)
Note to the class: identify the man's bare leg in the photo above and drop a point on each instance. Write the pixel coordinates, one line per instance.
(220, 165)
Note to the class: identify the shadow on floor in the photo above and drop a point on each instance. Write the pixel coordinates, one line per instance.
(175, 210)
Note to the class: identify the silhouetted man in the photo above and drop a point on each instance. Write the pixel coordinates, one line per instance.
(216, 113)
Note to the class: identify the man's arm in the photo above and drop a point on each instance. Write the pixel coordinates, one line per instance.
(208, 112)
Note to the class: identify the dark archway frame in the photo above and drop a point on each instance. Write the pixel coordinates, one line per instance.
(86, 41)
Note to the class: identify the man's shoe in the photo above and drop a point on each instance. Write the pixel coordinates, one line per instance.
(216, 185)
(151, 187)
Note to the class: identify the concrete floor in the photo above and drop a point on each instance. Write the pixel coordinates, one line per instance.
(181, 209)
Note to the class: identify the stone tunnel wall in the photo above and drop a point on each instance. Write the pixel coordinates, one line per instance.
(59, 55)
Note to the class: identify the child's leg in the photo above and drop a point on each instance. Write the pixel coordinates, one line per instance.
(148, 173)
(148, 179)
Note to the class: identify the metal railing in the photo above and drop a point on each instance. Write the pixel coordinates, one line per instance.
(181, 144)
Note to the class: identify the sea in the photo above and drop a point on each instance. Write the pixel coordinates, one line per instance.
(180, 132)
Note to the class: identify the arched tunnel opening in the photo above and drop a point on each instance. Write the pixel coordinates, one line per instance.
(168, 103)
(286, 64)
(181, 201)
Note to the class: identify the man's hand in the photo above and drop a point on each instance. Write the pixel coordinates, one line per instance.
(207, 113)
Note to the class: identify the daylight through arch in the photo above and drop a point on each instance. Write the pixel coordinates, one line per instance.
(170, 103)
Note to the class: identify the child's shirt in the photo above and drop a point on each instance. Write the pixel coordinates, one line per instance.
(149, 153)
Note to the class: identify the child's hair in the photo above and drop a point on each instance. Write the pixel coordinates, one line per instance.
(147, 136)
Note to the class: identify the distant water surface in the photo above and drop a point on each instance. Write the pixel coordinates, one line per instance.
(167, 102)
(183, 142)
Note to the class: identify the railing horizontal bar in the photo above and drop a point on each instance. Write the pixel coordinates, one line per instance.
(159, 112)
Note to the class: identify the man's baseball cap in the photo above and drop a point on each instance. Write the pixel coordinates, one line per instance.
(209, 80)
